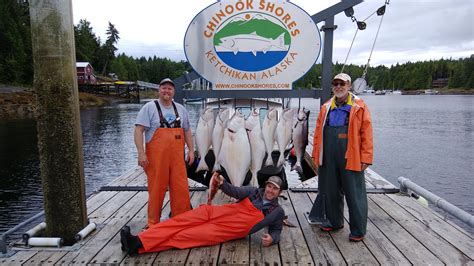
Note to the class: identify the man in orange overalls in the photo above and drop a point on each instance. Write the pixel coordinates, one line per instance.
(163, 126)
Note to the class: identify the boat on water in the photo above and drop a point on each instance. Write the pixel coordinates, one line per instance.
(397, 92)
(259, 103)
(380, 92)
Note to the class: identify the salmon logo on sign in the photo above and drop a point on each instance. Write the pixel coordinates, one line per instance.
(252, 44)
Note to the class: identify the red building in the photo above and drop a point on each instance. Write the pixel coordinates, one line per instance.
(85, 73)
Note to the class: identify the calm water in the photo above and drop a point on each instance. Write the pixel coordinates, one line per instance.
(428, 139)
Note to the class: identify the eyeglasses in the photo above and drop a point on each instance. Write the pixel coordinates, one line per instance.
(342, 84)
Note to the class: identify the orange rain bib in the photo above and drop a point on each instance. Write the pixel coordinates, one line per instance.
(165, 153)
(205, 226)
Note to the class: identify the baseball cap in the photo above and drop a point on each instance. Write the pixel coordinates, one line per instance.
(343, 76)
(167, 80)
(275, 180)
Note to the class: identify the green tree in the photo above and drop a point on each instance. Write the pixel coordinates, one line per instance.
(16, 63)
(108, 49)
(87, 43)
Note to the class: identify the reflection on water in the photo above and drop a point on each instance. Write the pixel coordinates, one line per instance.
(428, 139)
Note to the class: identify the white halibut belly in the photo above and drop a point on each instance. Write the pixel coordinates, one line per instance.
(283, 134)
(203, 143)
(217, 136)
(299, 145)
(257, 145)
(235, 155)
(268, 132)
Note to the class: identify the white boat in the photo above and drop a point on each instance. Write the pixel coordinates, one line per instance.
(265, 103)
(397, 92)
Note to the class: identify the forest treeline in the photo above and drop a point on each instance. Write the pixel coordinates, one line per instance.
(16, 65)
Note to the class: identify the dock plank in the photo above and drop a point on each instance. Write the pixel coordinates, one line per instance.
(321, 245)
(376, 180)
(260, 255)
(236, 251)
(178, 256)
(18, 258)
(111, 229)
(413, 250)
(126, 177)
(353, 252)
(111, 252)
(139, 180)
(205, 255)
(45, 258)
(399, 231)
(380, 246)
(454, 235)
(436, 244)
(293, 247)
(136, 224)
(101, 217)
(98, 199)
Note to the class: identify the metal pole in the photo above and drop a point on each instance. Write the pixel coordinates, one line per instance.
(58, 123)
(439, 202)
(328, 29)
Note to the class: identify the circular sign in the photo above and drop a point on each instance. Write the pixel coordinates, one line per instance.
(359, 85)
(252, 44)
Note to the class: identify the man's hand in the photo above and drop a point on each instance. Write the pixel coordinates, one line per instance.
(142, 160)
(217, 179)
(190, 158)
(364, 166)
(267, 240)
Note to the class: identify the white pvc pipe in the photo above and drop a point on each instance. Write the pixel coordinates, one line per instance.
(45, 241)
(437, 201)
(34, 231)
(84, 232)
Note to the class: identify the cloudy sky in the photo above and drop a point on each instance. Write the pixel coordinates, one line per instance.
(412, 30)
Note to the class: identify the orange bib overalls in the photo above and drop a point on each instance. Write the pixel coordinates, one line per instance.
(207, 225)
(166, 168)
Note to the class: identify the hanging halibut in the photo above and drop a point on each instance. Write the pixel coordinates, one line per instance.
(218, 134)
(300, 138)
(268, 130)
(283, 133)
(203, 137)
(235, 150)
(257, 144)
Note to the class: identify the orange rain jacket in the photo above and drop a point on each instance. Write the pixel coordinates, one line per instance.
(360, 147)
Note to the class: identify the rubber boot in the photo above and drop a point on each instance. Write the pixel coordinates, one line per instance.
(130, 243)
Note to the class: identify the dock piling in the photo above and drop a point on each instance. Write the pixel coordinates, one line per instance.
(58, 122)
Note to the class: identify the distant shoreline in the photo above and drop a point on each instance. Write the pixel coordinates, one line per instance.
(18, 102)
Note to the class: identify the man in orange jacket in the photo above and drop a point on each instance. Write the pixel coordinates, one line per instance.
(210, 225)
(342, 150)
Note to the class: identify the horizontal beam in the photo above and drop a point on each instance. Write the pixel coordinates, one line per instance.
(140, 188)
(246, 94)
(334, 10)
(368, 190)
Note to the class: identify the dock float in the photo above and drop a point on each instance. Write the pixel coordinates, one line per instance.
(399, 231)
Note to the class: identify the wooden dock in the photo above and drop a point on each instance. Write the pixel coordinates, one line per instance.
(399, 231)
